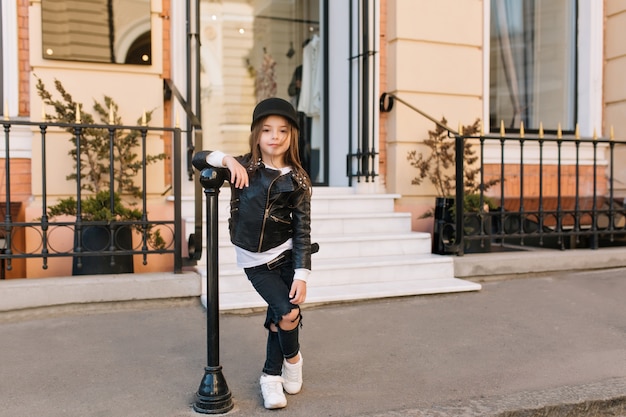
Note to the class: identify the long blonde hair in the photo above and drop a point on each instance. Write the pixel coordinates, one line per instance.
(292, 156)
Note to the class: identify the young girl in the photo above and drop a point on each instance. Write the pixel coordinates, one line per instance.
(270, 226)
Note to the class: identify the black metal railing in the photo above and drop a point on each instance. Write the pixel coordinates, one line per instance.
(361, 159)
(41, 237)
(552, 191)
(565, 202)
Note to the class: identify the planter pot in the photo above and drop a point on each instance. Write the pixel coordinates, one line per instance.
(98, 239)
(444, 229)
(443, 226)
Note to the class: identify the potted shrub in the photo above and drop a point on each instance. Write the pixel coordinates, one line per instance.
(102, 202)
(438, 167)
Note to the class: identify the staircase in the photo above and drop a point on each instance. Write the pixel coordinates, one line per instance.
(366, 251)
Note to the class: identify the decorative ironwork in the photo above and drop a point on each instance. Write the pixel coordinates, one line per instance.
(55, 237)
(535, 211)
(588, 215)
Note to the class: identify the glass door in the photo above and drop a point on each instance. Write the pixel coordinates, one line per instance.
(251, 51)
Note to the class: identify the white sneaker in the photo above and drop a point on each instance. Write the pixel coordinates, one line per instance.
(272, 390)
(292, 374)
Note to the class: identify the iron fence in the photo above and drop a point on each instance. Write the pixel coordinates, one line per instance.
(552, 191)
(23, 238)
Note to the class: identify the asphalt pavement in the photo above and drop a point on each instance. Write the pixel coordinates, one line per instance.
(546, 344)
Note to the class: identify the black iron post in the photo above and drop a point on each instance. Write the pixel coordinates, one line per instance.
(213, 396)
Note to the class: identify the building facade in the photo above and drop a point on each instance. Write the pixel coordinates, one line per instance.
(549, 66)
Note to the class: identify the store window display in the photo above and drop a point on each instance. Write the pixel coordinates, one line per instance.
(263, 49)
(304, 90)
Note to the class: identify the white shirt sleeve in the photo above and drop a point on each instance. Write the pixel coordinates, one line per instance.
(301, 274)
(216, 159)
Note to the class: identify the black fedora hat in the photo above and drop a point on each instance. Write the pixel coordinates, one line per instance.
(275, 106)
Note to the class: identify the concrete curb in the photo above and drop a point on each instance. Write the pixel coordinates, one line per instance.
(34, 293)
(536, 261)
(590, 400)
(25, 294)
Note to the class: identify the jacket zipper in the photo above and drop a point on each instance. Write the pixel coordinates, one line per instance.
(266, 214)
(278, 220)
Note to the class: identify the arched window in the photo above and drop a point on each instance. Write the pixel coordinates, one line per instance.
(140, 52)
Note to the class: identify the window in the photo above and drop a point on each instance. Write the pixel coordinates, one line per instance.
(287, 50)
(533, 64)
(112, 31)
(270, 48)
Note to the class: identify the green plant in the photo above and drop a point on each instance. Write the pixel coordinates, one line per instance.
(95, 161)
(471, 203)
(437, 166)
(94, 142)
(95, 207)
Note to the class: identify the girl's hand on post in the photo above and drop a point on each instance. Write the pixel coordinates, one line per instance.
(297, 295)
(238, 174)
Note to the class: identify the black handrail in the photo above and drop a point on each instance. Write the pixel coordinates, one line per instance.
(386, 103)
(194, 243)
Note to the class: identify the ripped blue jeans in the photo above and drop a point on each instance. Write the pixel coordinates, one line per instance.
(273, 284)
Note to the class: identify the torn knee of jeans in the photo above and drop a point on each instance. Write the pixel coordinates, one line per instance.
(297, 319)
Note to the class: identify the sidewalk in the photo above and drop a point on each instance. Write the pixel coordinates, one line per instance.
(515, 345)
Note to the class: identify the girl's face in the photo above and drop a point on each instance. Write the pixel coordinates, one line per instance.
(274, 140)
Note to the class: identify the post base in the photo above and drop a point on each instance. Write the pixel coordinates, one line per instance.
(213, 396)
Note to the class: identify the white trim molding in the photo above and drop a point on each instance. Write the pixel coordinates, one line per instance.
(10, 79)
(21, 143)
(590, 61)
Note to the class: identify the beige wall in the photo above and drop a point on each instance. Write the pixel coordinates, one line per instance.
(134, 88)
(614, 81)
(435, 62)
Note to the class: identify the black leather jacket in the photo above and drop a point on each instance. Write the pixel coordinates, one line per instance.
(272, 209)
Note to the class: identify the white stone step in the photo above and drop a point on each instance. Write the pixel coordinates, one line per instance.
(367, 250)
(336, 224)
(365, 245)
(356, 270)
(361, 223)
(338, 293)
(352, 203)
(323, 201)
(354, 278)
